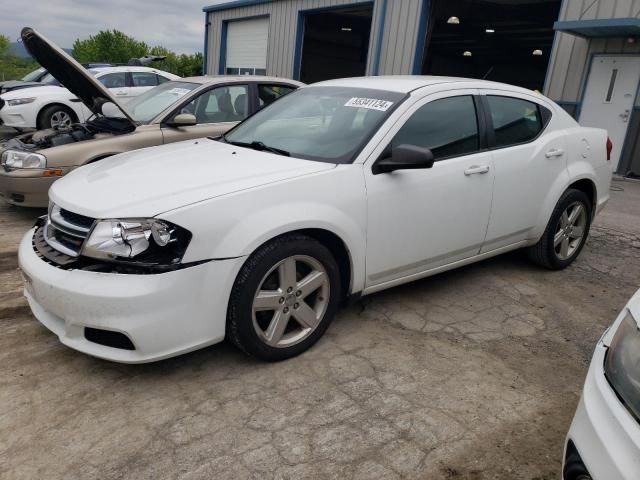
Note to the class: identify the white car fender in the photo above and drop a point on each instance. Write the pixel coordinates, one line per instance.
(333, 200)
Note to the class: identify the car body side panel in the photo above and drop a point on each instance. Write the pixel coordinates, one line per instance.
(583, 164)
(333, 200)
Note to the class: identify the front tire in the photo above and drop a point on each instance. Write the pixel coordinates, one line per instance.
(55, 116)
(284, 298)
(566, 232)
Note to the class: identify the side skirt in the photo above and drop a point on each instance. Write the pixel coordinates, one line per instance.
(443, 268)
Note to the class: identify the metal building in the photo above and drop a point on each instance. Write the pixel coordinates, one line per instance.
(585, 54)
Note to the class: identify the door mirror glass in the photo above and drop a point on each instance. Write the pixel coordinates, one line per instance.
(183, 120)
(404, 157)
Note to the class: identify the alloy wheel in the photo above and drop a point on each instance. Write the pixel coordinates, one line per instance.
(570, 230)
(291, 301)
(60, 118)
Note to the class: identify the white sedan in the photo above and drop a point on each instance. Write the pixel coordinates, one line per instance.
(604, 439)
(340, 189)
(53, 106)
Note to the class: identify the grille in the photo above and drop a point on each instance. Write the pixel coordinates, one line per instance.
(65, 231)
(76, 218)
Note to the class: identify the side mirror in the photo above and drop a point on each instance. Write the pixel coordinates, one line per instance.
(404, 157)
(183, 120)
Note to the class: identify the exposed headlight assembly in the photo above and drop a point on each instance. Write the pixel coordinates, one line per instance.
(17, 159)
(622, 365)
(143, 240)
(20, 101)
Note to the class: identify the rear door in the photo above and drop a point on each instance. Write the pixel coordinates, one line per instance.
(216, 111)
(528, 156)
(267, 93)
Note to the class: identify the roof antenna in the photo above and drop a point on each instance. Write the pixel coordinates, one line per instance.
(488, 73)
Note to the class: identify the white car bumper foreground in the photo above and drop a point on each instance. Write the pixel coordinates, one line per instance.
(161, 315)
(604, 433)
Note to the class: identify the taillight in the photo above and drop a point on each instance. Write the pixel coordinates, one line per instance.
(609, 149)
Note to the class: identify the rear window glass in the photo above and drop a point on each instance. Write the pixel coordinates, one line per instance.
(515, 120)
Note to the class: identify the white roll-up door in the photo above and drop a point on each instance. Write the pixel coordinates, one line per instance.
(247, 42)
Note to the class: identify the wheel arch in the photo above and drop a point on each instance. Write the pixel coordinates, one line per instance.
(333, 242)
(587, 186)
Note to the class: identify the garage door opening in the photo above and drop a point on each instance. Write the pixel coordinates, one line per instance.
(335, 43)
(500, 40)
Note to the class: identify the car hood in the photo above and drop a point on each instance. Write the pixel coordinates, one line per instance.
(34, 92)
(70, 73)
(10, 85)
(147, 182)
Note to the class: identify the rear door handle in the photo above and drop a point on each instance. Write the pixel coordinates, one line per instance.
(476, 170)
(555, 152)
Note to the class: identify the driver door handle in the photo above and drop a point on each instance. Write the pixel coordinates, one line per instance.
(476, 170)
(555, 152)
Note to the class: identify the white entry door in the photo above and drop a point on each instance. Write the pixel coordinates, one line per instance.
(609, 98)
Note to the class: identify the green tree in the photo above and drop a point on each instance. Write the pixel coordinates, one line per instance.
(183, 64)
(111, 46)
(13, 67)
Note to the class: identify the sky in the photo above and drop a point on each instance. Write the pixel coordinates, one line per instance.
(175, 24)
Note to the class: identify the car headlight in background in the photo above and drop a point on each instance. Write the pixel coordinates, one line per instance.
(19, 101)
(19, 159)
(146, 240)
(622, 364)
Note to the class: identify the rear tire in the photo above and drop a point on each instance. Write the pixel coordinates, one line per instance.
(55, 116)
(566, 232)
(284, 298)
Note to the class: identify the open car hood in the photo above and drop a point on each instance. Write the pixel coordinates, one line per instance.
(70, 73)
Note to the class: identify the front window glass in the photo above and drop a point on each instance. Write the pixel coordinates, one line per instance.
(219, 105)
(150, 104)
(328, 124)
(448, 127)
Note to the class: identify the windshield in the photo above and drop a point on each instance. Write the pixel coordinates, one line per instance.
(147, 106)
(33, 76)
(328, 124)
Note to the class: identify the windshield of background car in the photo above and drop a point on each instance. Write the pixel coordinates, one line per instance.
(49, 80)
(328, 124)
(147, 106)
(33, 76)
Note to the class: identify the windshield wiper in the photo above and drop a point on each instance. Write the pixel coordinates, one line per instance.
(260, 146)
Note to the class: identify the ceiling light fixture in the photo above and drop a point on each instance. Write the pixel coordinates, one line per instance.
(490, 30)
(537, 53)
(453, 21)
(467, 53)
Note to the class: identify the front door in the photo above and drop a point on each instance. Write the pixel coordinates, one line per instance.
(609, 97)
(419, 220)
(216, 111)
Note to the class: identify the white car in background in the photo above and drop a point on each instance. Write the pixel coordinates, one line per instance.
(604, 439)
(54, 106)
(339, 189)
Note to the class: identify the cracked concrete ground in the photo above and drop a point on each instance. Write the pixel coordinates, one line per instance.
(471, 374)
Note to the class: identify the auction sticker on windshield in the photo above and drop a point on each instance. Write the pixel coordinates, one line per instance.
(370, 103)
(179, 91)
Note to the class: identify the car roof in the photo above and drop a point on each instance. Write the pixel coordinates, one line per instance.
(409, 83)
(123, 68)
(206, 79)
